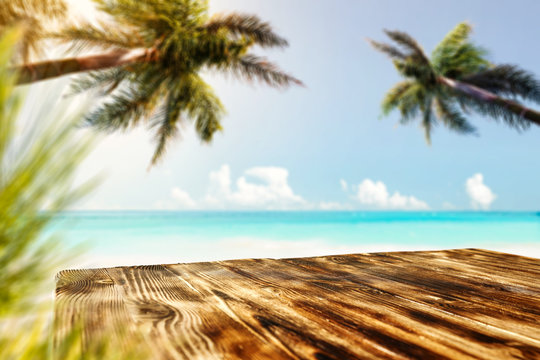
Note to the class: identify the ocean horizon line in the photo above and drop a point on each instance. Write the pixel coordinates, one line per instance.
(536, 212)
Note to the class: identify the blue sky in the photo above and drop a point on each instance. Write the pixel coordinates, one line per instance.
(292, 149)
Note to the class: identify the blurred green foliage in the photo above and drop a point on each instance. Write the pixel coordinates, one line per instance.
(36, 175)
(37, 168)
(38, 160)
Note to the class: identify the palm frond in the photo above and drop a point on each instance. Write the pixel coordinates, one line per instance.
(494, 110)
(192, 99)
(250, 26)
(456, 57)
(151, 18)
(507, 80)
(252, 67)
(105, 80)
(165, 121)
(452, 117)
(408, 43)
(32, 16)
(48, 8)
(410, 68)
(32, 35)
(101, 35)
(392, 51)
(203, 106)
(453, 40)
(428, 119)
(129, 105)
(465, 60)
(166, 131)
(411, 102)
(393, 97)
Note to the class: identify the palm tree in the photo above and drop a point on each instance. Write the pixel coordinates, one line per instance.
(151, 59)
(456, 79)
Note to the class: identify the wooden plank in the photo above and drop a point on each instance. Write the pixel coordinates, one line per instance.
(283, 325)
(438, 307)
(186, 321)
(89, 299)
(293, 305)
(453, 304)
(362, 299)
(429, 277)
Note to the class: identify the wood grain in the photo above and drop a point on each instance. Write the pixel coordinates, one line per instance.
(452, 304)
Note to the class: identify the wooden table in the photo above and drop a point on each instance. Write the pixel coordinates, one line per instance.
(456, 304)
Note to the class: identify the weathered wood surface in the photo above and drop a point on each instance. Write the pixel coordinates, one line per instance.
(457, 304)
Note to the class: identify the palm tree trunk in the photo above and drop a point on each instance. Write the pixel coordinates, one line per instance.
(45, 70)
(487, 96)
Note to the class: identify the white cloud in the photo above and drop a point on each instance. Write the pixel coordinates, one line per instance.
(275, 192)
(261, 188)
(268, 188)
(220, 181)
(372, 193)
(182, 198)
(272, 191)
(375, 193)
(481, 196)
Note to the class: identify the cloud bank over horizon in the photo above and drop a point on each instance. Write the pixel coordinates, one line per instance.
(258, 188)
(375, 194)
(268, 188)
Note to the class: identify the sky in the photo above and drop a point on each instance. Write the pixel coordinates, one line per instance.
(325, 146)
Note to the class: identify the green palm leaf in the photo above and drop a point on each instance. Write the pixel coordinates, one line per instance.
(393, 97)
(166, 123)
(408, 43)
(392, 51)
(452, 117)
(428, 119)
(249, 26)
(98, 35)
(507, 80)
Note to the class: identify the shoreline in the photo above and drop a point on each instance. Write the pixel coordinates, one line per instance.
(91, 261)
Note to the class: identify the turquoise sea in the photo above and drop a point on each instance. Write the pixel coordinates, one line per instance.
(149, 237)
